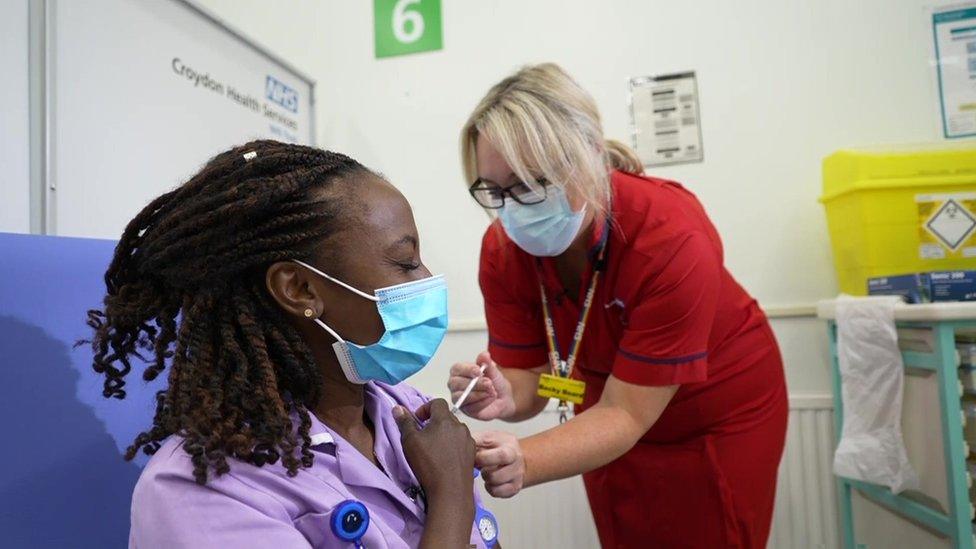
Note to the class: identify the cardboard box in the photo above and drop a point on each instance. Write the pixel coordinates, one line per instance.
(952, 285)
(913, 287)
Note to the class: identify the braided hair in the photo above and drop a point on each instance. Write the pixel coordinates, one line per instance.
(186, 288)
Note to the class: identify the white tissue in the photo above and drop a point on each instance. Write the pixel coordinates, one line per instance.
(871, 447)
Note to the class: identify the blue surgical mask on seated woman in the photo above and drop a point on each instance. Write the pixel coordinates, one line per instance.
(415, 320)
(545, 229)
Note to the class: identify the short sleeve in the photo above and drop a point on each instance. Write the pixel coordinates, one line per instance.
(171, 510)
(516, 334)
(666, 338)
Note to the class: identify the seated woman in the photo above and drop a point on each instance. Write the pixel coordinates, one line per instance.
(284, 423)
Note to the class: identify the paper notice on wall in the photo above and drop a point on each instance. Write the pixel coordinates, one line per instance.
(946, 225)
(665, 117)
(955, 58)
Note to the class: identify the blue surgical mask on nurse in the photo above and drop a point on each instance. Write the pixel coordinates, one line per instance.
(545, 228)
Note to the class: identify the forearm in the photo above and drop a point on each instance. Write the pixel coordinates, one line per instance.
(588, 441)
(525, 384)
(597, 436)
(449, 521)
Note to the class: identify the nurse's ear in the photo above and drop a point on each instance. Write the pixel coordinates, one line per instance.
(295, 289)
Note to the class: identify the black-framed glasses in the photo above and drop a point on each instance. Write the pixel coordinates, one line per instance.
(491, 196)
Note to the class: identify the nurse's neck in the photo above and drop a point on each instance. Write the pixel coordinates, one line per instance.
(571, 264)
(342, 406)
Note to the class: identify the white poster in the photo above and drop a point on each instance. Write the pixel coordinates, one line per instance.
(143, 94)
(955, 52)
(665, 117)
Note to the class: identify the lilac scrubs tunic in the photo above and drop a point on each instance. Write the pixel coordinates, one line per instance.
(263, 507)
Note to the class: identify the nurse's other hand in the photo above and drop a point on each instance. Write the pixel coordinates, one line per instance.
(491, 397)
(501, 462)
(441, 453)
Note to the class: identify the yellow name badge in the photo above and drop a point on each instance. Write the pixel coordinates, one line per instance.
(561, 388)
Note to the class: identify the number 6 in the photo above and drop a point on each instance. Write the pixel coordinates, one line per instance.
(400, 18)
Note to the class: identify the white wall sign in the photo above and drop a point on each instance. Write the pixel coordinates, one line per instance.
(143, 94)
(955, 55)
(665, 118)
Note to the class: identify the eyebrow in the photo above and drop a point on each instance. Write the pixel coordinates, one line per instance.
(405, 239)
(508, 178)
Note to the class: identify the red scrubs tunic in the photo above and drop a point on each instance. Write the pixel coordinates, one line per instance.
(666, 312)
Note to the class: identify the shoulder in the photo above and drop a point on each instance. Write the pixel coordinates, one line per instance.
(169, 474)
(248, 503)
(170, 462)
(403, 394)
(169, 477)
(164, 486)
(657, 216)
(654, 200)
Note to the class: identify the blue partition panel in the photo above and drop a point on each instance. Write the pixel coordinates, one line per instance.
(63, 482)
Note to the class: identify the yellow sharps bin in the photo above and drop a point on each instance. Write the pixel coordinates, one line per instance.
(900, 211)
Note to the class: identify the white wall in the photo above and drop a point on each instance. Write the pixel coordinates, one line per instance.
(14, 122)
(782, 85)
(112, 153)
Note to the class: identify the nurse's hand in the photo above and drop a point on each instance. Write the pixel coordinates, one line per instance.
(501, 462)
(441, 453)
(491, 397)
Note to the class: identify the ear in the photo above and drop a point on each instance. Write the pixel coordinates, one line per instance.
(294, 290)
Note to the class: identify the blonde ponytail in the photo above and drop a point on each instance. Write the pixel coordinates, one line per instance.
(623, 158)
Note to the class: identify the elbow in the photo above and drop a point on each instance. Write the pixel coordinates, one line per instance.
(635, 423)
(636, 429)
(628, 429)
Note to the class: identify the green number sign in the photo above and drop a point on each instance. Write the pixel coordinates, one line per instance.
(407, 26)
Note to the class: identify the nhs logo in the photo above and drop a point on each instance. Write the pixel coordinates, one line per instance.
(281, 94)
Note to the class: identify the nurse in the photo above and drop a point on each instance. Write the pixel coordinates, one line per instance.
(282, 288)
(602, 281)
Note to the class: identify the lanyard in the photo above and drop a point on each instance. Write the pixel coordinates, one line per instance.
(558, 366)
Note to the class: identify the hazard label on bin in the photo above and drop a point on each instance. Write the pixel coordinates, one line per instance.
(947, 225)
